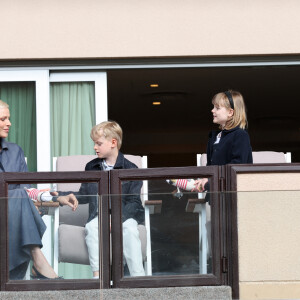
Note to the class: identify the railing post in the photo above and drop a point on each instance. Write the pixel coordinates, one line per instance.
(3, 234)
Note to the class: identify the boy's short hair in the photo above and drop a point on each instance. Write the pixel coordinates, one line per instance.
(108, 129)
(3, 104)
(239, 117)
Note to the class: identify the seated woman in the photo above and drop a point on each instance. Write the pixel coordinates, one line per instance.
(25, 225)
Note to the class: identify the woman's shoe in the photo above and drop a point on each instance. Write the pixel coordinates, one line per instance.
(39, 276)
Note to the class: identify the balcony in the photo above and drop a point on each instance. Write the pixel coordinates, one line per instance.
(242, 233)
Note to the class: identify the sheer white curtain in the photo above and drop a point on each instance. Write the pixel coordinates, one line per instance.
(72, 118)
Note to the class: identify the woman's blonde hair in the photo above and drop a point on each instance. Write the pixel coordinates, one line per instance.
(109, 130)
(239, 117)
(3, 104)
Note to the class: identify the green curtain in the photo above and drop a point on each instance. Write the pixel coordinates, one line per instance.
(72, 118)
(20, 96)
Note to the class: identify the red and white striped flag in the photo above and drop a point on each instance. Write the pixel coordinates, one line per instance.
(33, 194)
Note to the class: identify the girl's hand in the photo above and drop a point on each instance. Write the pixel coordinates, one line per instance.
(204, 182)
(199, 185)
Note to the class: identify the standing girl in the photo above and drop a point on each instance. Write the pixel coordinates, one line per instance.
(231, 143)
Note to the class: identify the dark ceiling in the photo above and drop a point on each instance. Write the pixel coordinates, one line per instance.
(179, 126)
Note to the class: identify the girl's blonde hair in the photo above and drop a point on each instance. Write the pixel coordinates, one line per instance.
(239, 117)
(3, 104)
(109, 130)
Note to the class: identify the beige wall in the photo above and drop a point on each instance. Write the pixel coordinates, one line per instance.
(34, 29)
(268, 233)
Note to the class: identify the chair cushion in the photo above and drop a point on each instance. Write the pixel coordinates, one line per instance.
(137, 160)
(203, 159)
(72, 247)
(78, 217)
(72, 163)
(78, 163)
(259, 157)
(267, 157)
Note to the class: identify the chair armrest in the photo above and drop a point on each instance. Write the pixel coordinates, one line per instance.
(193, 205)
(47, 208)
(46, 204)
(154, 206)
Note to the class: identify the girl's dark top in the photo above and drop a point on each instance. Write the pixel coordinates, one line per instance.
(233, 148)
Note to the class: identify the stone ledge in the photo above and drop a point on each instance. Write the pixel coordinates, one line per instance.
(172, 293)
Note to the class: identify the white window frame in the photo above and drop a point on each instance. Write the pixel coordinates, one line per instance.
(100, 80)
(42, 79)
(95, 73)
(42, 82)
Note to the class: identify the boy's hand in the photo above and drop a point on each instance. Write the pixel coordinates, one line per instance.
(69, 200)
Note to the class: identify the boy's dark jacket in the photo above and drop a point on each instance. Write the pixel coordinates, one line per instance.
(131, 202)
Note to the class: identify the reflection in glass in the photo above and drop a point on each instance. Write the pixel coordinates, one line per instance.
(38, 224)
(81, 229)
(177, 229)
(133, 219)
(25, 231)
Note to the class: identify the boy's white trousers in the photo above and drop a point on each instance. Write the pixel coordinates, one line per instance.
(132, 250)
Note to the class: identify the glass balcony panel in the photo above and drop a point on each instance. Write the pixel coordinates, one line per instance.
(166, 231)
(50, 239)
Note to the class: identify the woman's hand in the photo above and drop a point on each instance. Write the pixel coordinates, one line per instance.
(199, 185)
